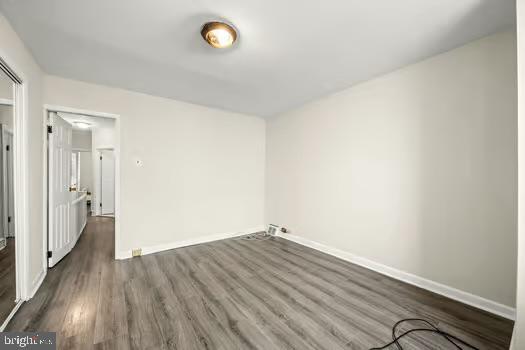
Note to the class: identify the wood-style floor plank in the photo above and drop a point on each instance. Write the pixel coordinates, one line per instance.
(7, 279)
(236, 294)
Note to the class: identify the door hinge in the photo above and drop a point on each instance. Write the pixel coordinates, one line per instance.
(100, 204)
(8, 219)
(49, 254)
(50, 129)
(7, 148)
(100, 157)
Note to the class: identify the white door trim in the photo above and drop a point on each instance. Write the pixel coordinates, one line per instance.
(5, 194)
(20, 177)
(100, 198)
(116, 117)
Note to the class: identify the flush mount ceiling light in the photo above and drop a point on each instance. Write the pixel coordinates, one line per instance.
(82, 125)
(219, 34)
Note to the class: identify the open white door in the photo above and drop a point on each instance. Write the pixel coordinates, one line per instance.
(107, 182)
(8, 204)
(60, 146)
(10, 186)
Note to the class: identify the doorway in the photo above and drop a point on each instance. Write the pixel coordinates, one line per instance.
(81, 146)
(107, 182)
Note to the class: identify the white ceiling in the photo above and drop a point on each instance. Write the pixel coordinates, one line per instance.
(289, 51)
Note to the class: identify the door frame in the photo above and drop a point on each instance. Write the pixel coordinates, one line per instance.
(100, 150)
(5, 211)
(54, 108)
(20, 105)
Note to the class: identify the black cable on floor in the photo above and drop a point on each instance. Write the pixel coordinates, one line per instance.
(457, 342)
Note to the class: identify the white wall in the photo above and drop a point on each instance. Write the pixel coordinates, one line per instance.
(81, 139)
(86, 171)
(14, 52)
(415, 170)
(203, 169)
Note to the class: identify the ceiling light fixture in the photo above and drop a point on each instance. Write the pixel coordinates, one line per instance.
(219, 34)
(82, 125)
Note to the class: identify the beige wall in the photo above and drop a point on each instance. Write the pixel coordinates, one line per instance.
(203, 169)
(415, 170)
(14, 52)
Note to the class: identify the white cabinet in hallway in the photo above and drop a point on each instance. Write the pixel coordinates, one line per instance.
(78, 217)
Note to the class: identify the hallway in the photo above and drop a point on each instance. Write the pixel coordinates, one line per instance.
(234, 294)
(68, 300)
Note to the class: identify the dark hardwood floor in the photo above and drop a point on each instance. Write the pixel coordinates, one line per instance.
(7, 279)
(236, 294)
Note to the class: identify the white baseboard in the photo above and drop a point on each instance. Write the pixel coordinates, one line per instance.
(37, 282)
(11, 314)
(450, 292)
(193, 241)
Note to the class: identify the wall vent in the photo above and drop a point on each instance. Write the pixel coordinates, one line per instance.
(273, 229)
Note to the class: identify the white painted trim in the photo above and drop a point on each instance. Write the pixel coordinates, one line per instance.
(63, 109)
(37, 282)
(6, 102)
(20, 175)
(21, 188)
(11, 314)
(97, 191)
(55, 108)
(192, 241)
(438, 288)
(5, 193)
(45, 184)
(75, 149)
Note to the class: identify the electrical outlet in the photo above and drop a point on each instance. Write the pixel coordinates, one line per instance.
(136, 252)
